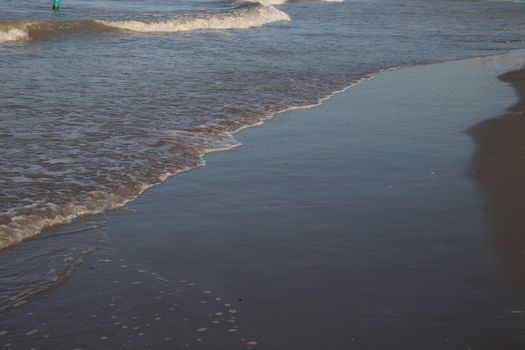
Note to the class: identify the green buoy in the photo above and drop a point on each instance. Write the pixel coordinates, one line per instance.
(56, 4)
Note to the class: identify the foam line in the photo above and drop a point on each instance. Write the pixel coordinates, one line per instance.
(250, 17)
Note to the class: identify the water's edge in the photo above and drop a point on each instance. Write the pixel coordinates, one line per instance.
(70, 266)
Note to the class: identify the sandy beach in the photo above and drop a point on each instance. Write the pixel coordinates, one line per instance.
(499, 166)
(388, 218)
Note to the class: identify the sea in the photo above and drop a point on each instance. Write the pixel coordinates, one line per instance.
(103, 99)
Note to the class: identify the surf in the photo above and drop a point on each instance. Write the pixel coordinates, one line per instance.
(26, 31)
(244, 17)
(10, 32)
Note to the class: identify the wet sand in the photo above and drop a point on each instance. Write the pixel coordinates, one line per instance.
(499, 167)
(356, 225)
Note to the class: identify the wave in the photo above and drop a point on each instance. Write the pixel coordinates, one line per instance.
(29, 221)
(249, 16)
(276, 2)
(13, 34)
(262, 2)
(23, 31)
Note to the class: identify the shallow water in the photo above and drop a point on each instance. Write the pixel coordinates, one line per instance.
(104, 99)
(350, 226)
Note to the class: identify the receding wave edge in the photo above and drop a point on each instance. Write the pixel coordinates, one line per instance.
(24, 226)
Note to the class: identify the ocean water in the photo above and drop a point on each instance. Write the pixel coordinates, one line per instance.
(104, 99)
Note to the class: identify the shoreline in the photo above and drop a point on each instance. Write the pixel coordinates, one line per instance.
(59, 220)
(298, 226)
(499, 167)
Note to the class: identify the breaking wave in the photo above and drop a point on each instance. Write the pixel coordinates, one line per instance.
(18, 224)
(276, 2)
(262, 2)
(248, 16)
(28, 221)
(25, 221)
(8, 34)
(20, 31)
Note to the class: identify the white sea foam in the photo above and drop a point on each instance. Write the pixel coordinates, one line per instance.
(30, 220)
(250, 14)
(256, 14)
(277, 2)
(244, 18)
(15, 33)
(265, 2)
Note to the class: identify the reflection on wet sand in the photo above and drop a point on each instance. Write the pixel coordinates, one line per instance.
(499, 167)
